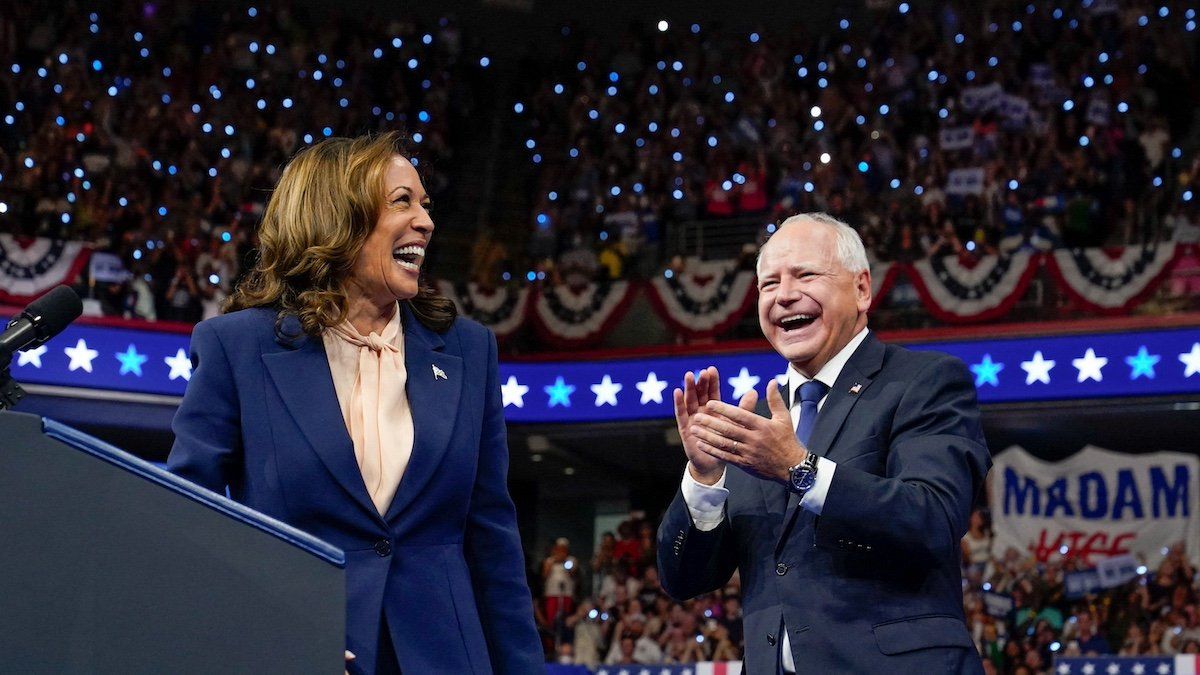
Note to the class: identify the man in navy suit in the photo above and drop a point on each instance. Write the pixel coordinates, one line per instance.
(843, 500)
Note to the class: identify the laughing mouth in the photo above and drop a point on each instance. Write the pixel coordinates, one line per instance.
(796, 321)
(409, 257)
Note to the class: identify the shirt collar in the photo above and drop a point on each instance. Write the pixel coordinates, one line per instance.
(829, 373)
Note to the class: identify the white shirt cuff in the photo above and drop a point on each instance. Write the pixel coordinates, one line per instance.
(706, 503)
(814, 499)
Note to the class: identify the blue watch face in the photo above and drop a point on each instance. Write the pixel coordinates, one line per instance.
(803, 479)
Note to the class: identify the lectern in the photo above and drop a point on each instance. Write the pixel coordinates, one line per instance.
(109, 564)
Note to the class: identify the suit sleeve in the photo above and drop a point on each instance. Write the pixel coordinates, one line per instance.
(691, 561)
(937, 460)
(493, 546)
(207, 425)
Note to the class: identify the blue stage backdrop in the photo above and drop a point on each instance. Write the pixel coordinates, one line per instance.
(1093, 365)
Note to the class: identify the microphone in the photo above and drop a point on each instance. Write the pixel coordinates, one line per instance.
(41, 320)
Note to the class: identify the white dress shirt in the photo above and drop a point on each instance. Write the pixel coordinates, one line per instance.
(706, 503)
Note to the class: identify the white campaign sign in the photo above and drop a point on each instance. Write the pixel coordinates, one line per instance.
(1096, 504)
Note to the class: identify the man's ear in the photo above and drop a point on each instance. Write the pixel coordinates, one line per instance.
(862, 290)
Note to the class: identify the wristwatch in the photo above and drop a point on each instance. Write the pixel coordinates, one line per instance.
(803, 476)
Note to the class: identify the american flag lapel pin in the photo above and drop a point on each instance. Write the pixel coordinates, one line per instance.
(439, 374)
(856, 388)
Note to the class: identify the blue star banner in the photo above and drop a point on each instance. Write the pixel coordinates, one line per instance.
(1094, 365)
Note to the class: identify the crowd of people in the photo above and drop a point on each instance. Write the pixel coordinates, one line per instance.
(970, 129)
(613, 610)
(155, 131)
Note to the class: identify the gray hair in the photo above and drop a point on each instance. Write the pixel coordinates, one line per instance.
(851, 253)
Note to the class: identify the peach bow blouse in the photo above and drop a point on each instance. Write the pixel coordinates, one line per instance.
(369, 377)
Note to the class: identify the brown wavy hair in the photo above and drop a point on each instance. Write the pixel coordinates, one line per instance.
(316, 222)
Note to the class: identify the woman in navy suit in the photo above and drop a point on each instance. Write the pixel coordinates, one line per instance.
(344, 398)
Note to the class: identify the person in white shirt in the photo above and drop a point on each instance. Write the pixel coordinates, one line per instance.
(841, 501)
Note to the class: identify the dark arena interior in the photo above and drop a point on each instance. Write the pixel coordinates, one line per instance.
(601, 179)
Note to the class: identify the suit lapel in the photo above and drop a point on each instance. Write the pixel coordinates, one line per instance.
(858, 371)
(433, 400)
(302, 378)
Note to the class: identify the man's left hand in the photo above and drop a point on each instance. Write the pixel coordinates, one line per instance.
(765, 447)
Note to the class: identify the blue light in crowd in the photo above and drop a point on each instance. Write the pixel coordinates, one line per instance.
(252, 12)
(1016, 26)
(809, 187)
(1142, 69)
(581, 66)
(1158, 181)
(1163, 11)
(144, 52)
(822, 83)
(726, 186)
(613, 77)
(537, 159)
(895, 183)
(1177, 153)
(226, 153)
(611, 91)
(287, 103)
(518, 107)
(42, 72)
(1083, 141)
(1143, 20)
(397, 43)
(695, 29)
(1012, 184)
(308, 139)
(1122, 107)
(677, 194)
(615, 191)
(558, 89)
(137, 37)
(844, 24)
(863, 167)
(229, 130)
(226, 237)
(943, 113)
(993, 61)
(818, 125)
(860, 120)
(862, 63)
(270, 49)
(970, 75)
(327, 132)
(1089, 82)
(712, 141)
(97, 66)
(932, 76)
(1187, 195)
(418, 137)
(413, 63)
(573, 152)
(123, 201)
(531, 275)
(157, 165)
(60, 121)
(423, 116)
(959, 39)
(677, 156)
(903, 8)
(637, 187)
(674, 132)
(162, 210)
(802, 71)
(653, 127)
(653, 90)
(1108, 78)
(427, 38)
(378, 53)
(530, 143)
(677, 66)
(484, 61)
(78, 173)
(1068, 105)
(883, 109)
(1103, 58)
(166, 99)
(261, 104)
(918, 190)
(552, 196)
(206, 127)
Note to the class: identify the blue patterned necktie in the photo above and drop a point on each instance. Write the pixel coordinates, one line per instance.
(811, 393)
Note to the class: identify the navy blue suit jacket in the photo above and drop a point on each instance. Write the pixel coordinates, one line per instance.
(873, 584)
(445, 562)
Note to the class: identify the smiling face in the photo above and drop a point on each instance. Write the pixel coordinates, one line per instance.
(809, 305)
(389, 265)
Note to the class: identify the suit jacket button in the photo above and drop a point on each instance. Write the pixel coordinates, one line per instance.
(781, 569)
(771, 639)
(383, 548)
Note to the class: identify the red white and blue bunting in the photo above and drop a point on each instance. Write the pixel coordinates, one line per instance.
(502, 309)
(883, 277)
(705, 300)
(1113, 281)
(958, 290)
(579, 317)
(30, 267)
